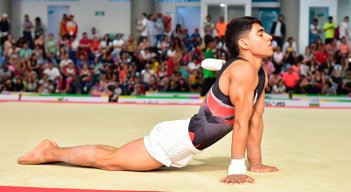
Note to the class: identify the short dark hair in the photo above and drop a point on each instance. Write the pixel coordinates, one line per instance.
(330, 17)
(235, 28)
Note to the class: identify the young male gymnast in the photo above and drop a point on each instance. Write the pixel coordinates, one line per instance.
(234, 103)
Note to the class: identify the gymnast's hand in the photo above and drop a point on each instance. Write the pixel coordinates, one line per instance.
(260, 168)
(237, 179)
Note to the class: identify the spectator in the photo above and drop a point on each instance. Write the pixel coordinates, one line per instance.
(268, 65)
(63, 27)
(344, 47)
(94, 33)
(147, 74)
(344, 29)
(130, 45)
(72, 28)
(221, 26)
(209, 77)
(152, 30)
(84, 45)
(290, 46)
(321, 57)
(278, 30)
(39, 28)
(329, 30)
(159, 29)
(106, 42)
(25, 52)
(208, 27)
(290, 79)
(329, 89)
(95, 45)
(278, 57)
(315, 31)
(52, 72)
(27, 30)
(51, 45)
(85, 77)
(117, 44)
(141, 26)
(4, 28)
(279, 88)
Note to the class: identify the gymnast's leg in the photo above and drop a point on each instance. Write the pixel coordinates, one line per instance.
(131, 157)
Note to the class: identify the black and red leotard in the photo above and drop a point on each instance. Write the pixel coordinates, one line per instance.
(216, 115)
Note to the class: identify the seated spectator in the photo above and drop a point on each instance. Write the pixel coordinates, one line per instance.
(279, 88)
(65, 61)
(321, 57)
(25, 52)
(95, 45)
(52, 72)
(85, 77)
(268, 65)
(117, 44)
(290, 79)
(130, 45)
(278, 57)
(84, 44)
(344, 47)
(329, 89)
(289, 46)
(51, 44)
(105, 42)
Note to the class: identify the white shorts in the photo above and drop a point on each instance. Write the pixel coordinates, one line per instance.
(169, 143)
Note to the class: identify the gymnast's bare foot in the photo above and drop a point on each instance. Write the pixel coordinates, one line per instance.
(38, 155)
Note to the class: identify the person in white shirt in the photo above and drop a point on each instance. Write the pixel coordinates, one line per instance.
(147, 74)
(65, 61)
(141, 26)
(290, 46)
(117, 44)
(152, 30)
(278, 57)
(278, 30)
(343, 29)
(315, 31)
(52, 72)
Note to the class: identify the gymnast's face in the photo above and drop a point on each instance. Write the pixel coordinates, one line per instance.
(258, 42)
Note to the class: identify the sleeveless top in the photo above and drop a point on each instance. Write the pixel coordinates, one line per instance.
(216, 115)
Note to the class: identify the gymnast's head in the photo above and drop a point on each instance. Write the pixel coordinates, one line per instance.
(245, 35)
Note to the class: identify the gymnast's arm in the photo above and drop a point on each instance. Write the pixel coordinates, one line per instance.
(241, 92)
(255, 137)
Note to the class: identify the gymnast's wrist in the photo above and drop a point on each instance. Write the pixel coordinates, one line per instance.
(237, 166)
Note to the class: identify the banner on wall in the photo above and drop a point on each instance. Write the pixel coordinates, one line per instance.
(176, 98)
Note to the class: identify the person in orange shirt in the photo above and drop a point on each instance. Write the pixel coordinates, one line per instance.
(291, 79)
(344, 47)
(221, 26)
(63, 28)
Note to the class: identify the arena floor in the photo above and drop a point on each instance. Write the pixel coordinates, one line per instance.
(311, 147)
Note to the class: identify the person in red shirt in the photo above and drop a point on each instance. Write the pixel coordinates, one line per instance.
(84, 44)
(291, 79)
(321, 57)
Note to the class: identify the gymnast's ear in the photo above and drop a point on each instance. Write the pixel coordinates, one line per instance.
(243, 44)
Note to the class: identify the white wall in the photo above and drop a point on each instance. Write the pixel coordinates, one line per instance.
(117, 14)
(344, 9)
(304, 18)
(169, 8)
(205, 3)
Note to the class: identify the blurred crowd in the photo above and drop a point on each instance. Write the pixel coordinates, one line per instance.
(161, 59)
